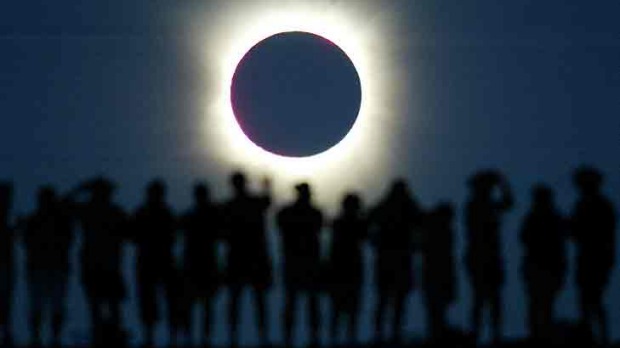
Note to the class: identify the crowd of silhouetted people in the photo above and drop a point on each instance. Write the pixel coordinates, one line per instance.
(396, 227)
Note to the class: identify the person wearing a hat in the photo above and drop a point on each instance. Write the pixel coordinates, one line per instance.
(300, 224)
(593, 228)
(483, 258)
(104, 226)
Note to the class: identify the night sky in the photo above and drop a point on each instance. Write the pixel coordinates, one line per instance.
(530, 87)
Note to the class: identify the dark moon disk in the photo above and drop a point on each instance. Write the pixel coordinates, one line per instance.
(296, 94)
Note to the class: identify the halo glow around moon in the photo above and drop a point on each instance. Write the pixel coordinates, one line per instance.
(227, 31)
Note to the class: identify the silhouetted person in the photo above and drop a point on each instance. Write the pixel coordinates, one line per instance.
(300, 226)
(544, 262)
(394, 221)
(593, 225)
(6, 262)
(484, 261)
(202, 227)
(439, 276)
(105, 230)
(155, 232)
(249, 263)
(47, 237)
(345, 266)
(181, 299)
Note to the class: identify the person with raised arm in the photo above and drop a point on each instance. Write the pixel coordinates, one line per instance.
(105, 227)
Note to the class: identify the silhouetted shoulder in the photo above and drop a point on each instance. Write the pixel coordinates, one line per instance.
(608, 213)
(263, 200)
(284, 215)
(295, 217)
(596, 212)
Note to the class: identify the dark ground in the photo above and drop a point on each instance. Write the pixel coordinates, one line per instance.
(515, 344)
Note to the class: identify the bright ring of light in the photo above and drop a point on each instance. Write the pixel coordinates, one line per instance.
(295, 164)
(237, 28)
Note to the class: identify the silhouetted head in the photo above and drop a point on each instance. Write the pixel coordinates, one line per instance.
(201, 194)
(542, 196)
(351, 204)
(238, 182)
(483, 182)
(399, 185)
(46, 197)
(588, 179)
(102, 189)
(303, 192)
(156, 192)
(399, 189)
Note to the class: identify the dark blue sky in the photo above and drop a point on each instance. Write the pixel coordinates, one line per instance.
(528, 86)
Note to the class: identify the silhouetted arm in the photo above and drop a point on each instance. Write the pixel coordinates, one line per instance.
(609, 226)
(282, 223)
(74, 194)
(564, 226)
(74, 201)
(124, 225)
(525, 232)
(19, 227)
(225, 223)
(321, 221)
(218, 222)
(175, 227)
(425, 227)
(574, 223)
(365, 229)
(372, 225)
(267, 193)
(421, 228)
(417, 225)
(133, 226)
(506, 200)
(24, 227)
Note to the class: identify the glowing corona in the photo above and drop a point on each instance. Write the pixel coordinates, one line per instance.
(238, 26)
